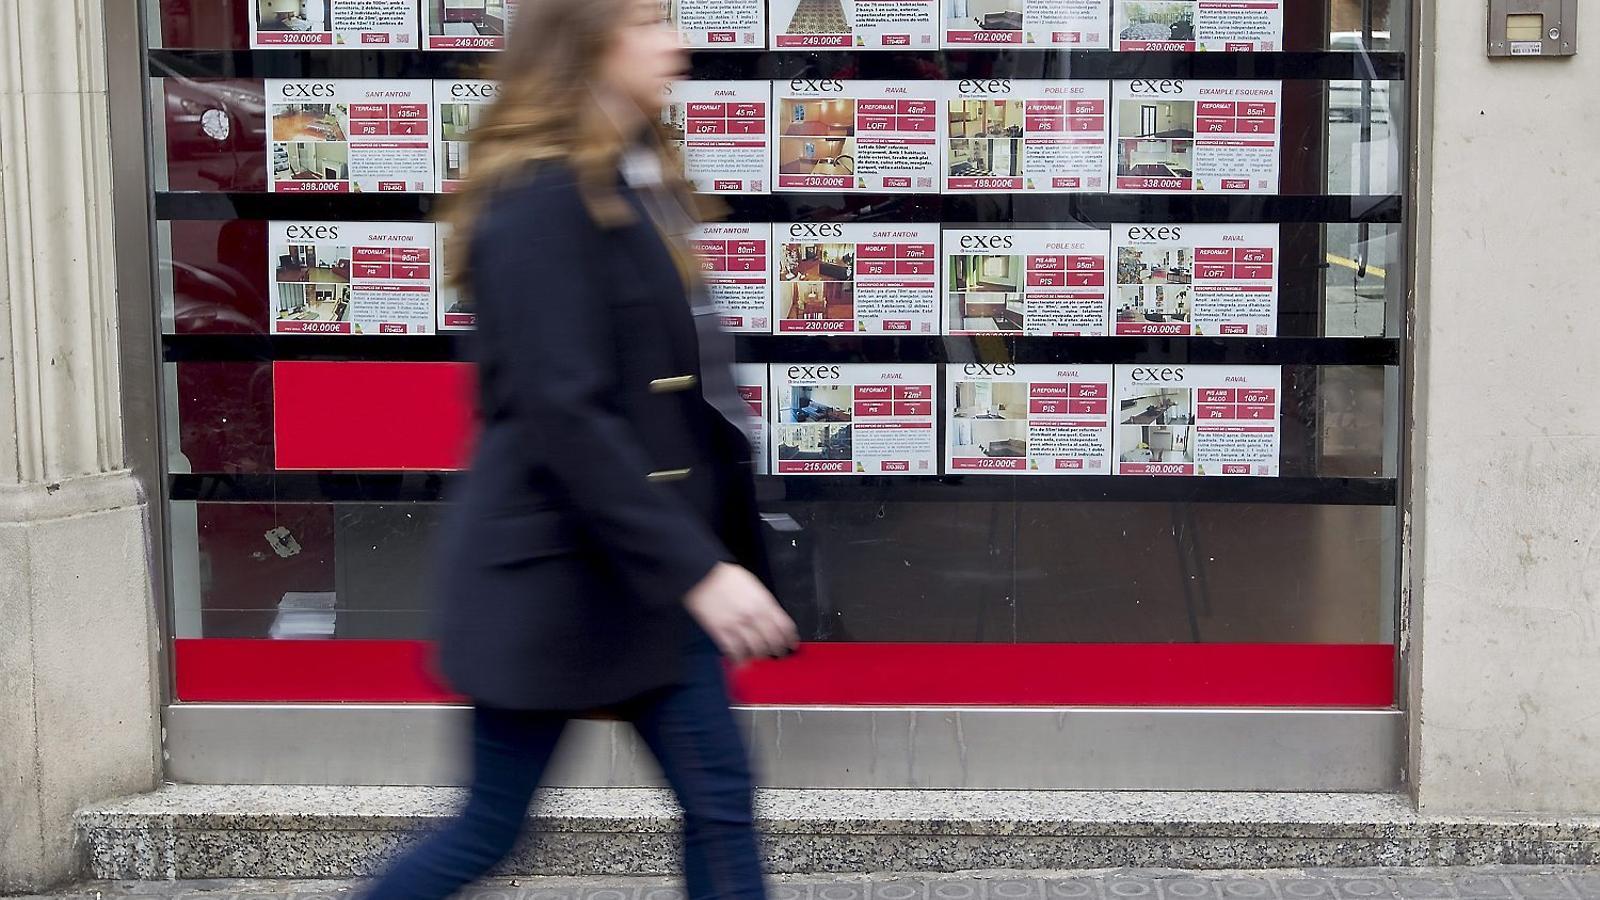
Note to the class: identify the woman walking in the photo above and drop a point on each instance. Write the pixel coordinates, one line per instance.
(600, 555)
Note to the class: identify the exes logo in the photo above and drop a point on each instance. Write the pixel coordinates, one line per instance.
(816, 230)
(1156, 86)
(990, 370)
(813, 373)
(816, 86)
(986, 242)
(1147, 374)
(313, 232)
(984, 86)
(1155, 233)
(476, 90)
(300, 90)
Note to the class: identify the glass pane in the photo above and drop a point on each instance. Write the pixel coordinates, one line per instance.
(1014, 571)
(258, 552)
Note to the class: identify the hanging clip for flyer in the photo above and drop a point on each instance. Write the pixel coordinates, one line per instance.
(1533, 27)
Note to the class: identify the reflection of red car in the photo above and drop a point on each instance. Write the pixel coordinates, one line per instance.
(204, 303)
(216, 130)
(216, 273)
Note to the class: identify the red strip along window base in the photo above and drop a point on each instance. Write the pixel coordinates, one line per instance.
(1193, 675)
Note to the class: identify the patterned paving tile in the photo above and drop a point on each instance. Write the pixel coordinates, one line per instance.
(1481, 886)
(1072, 888)
(1187, 888)
(1423, 888)
(1540, 887)
(887, 889)
(1584, 884)
(1362, 887)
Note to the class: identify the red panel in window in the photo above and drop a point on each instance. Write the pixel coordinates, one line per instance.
(372, 416)
(1193, 675)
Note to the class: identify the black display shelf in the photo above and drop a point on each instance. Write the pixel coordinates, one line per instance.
(781, 64)
(761, 348)
(1095, 210)
(431, 487)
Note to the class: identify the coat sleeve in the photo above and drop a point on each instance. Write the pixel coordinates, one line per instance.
(537, 243)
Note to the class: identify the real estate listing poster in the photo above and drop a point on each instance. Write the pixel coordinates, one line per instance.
(1178, 136)
(1028, 419)
(725, 24)
(468, 24)
(751, 381)
(863, 278)
(1026, 281)
(1063, 24)
(721, 128)
(351, 277)
(1187, 25)
(1215, 280)
(338, 24)
(855, 24)
(352, 135)
(853, 419)
(880, 136)
(1011, 135)
(455, 305)
(458, 107)
(736, 266)
(1197, 420)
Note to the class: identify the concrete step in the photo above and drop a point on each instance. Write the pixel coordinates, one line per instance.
(1462, 883)
(196, 832)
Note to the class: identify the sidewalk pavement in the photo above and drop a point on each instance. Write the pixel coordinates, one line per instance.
(1480, 883)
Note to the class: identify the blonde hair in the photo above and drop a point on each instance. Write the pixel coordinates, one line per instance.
(546, 112)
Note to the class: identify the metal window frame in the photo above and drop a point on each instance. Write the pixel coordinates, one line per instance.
(826, 747)
(1019, 748)
(138, 320)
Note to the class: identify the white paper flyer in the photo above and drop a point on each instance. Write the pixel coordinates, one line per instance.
(1050, 282)
(720, 24)
(351, 277)
(1179, 136)
(1188, 25)
(1028, 419)
(721, 129)
(349, 136)
(861, 278)
(458, 107)
(751, 381)
(469, 24)
(338, 24)
(1022, 135)
(854, 419)
(1214, 280)
(455, 307)
(1039, 24)
(878, 136)
(736, 265)
(1197, 420)
(855, 24)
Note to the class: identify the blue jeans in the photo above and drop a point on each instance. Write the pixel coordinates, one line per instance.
(690, 730)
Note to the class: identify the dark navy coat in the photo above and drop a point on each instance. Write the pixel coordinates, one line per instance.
(603, 485)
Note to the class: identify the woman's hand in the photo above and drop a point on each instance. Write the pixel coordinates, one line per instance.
(740, 614)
